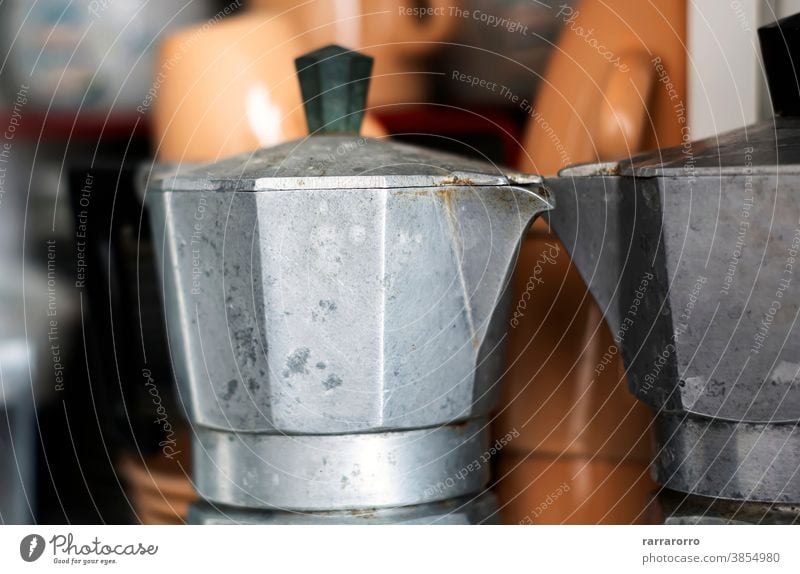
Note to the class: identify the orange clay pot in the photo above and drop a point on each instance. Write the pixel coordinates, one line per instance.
(231, 87)
(160, 489)
(385, 29)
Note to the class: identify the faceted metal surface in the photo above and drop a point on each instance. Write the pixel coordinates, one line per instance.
(587, 222)
(337, 162)
(351, 471)
(728, 460)
(691, 254)
(481, 509)
(338, 310)
(716, 331)
(680, 508)
(775, 147)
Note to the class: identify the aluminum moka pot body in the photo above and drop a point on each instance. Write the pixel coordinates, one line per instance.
(350, 293)
(692, 253)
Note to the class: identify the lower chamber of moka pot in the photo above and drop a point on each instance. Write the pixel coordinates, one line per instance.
(478, 509)
(680, 508)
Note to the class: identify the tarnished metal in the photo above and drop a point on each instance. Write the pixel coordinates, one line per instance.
(692, 257)
(729, 460)
(680, 508)
(347, 288)
(338, 310)
(481, 509)
(699, 288)
(340, 162)
(718, 309)
(771, 144)
(346, 471)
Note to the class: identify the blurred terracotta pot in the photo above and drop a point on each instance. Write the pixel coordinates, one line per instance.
(397, 34)
(230, 87)
(566, 396)
(601, 98)
(159, 488)
(560, 337)
(573, 491)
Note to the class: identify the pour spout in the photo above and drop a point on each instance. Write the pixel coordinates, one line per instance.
(588, 222)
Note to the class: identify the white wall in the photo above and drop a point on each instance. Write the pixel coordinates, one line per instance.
(726, 86)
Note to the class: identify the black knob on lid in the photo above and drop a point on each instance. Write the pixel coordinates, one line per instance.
(780, 49)
(334, 83)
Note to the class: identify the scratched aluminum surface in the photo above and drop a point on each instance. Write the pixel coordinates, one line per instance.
(297, 307)
(692, 253)
(340, 162)
(347, 471)
(697, 277)
(728, 460)
(481, 509)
